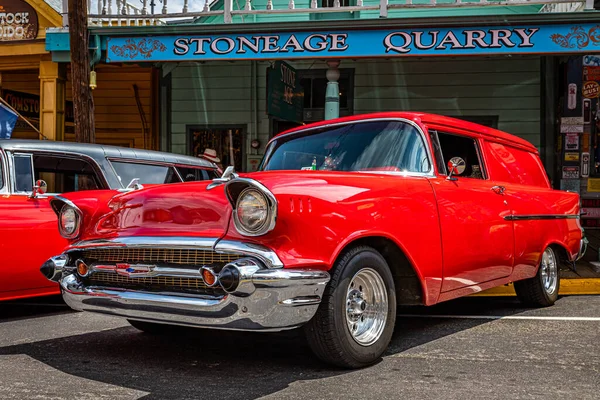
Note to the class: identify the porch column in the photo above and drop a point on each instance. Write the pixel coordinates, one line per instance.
(332, 94)
(52, 99)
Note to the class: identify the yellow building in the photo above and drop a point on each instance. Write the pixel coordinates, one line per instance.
(40, 89)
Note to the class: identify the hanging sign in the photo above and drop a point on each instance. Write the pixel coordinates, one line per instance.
(570, 172)
(483, 40)
(18, 21)
(571, 141)
(571, 156)
(285, 95)
(28, 105)
(590, 90)
(585, 165)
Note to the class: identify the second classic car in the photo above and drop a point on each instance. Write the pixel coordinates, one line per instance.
(345, 220)
(31, 171)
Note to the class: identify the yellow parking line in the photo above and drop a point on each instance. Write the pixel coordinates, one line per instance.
(567, 287)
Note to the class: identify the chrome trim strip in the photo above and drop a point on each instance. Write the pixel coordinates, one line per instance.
(540, 217)
(285, 304)
(152, 271)
(264, 254)
(429, 173)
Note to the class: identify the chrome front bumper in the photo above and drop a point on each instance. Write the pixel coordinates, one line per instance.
(283, 299)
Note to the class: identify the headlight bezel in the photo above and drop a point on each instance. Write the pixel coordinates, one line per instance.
(251, 186)
(78, 219)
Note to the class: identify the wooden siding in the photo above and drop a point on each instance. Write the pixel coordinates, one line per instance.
(220, 93)
(118, 120)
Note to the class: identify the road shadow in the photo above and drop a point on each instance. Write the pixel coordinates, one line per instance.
(12, 310)
(193, 363)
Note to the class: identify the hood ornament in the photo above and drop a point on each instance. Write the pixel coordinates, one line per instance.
(228, 175)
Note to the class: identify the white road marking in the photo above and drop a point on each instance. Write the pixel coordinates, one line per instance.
(494, 317)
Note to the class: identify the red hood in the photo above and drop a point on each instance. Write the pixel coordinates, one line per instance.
(186, 209)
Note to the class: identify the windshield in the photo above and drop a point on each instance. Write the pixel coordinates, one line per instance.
(364, 146)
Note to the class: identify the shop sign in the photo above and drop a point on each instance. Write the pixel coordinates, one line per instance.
(572, 185)
(572, 141)
(571, 128)
(593, 185)
(571, 121)
(571, 156)
(591, 89)
(285, 95)
(585, 165)
(485, 40)
(591, 73)
(18, 21)
(591, 60)
(590, 212)
(570, 172)
(28, 105)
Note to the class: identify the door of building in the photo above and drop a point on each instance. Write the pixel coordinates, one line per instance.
(227, 141)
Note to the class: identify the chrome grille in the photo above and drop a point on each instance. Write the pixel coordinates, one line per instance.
(149, 255)
(162, 283)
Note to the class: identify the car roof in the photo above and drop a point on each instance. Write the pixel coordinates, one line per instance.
(427, 119)
(100, 151)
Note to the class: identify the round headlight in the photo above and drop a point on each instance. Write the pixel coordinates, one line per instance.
(69, 222)
(252, 211)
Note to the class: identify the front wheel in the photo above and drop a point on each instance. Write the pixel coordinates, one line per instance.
(542, 289)
(355, 320)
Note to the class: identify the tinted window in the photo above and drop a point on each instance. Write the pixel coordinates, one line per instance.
(460, 146)
(146, 173)
(196, 174)
(1, 173)
(63, 174)
(367, 146)
(23, 173)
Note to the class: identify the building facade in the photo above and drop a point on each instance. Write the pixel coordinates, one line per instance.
(230, 76)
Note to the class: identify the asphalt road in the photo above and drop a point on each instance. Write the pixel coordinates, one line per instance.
(473, 348)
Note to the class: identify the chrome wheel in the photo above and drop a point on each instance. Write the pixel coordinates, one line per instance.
(549, 271)
(366, 306)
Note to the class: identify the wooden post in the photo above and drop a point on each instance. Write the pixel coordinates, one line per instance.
(83, 102)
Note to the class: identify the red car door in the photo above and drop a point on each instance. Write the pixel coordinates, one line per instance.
(477, 241)
(29, 234)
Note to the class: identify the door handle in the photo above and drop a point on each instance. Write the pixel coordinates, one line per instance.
(498, 189)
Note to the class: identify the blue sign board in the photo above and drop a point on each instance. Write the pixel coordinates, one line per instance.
(353, 43)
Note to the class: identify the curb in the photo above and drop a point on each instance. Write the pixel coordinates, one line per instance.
(584, 286)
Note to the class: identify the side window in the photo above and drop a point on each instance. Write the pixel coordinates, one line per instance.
(450, 146)
(63, 174)
(23, 173)
(147, 173)
(1, 171)
(196, 174)
(509, 164)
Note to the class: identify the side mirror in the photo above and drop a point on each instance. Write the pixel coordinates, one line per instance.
(40, 187)
(456, 166)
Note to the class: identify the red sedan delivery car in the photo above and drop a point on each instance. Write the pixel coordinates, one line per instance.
(31, 171)
(345, 220)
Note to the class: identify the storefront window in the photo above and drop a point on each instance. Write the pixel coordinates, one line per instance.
(222, 145)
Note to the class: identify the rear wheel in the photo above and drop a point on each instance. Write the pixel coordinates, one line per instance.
(355, 320)
(542, 289)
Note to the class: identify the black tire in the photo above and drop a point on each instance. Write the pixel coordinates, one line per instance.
(151, 327)
(533, 292)
(328, 333)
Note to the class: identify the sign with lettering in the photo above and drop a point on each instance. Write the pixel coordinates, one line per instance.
(28, 105)
(18, 21)
(538, 39)
(285, 95)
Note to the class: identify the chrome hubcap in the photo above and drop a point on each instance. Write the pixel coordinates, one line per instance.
(366, 306)
(549, 271)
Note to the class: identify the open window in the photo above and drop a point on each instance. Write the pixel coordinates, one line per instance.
(447, 146)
